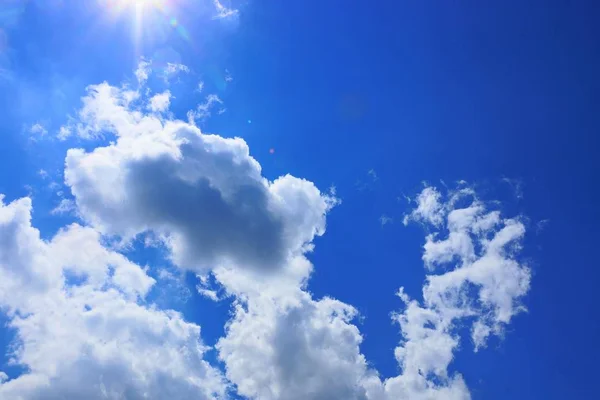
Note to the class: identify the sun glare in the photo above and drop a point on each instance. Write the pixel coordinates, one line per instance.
(122, 5)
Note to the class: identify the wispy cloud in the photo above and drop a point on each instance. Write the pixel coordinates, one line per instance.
(37, 131)
(384, 220)
(224, 12)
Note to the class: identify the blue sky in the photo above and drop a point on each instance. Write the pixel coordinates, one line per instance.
(401, 126)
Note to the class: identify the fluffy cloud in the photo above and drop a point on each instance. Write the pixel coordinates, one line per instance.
(481, 281)
(203, 195)
(296, 348)
(283, 344)
(83, 330)
(160, 102)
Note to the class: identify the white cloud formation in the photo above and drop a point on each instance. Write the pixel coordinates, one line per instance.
(429, 209)
(203, 195)
(283, 344)
(204, 198)
(481, 281)
(160, 102)
(83, 330)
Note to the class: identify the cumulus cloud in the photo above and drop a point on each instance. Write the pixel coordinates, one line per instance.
(83, 330)
(284, 344)
(295, 349)
(203, 195)
(205, 199)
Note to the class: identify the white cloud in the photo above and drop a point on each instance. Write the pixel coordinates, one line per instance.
(64, 132)
(65, 206)
(428, 209)
(142, 73)
(160, 102)
(37, 131)
(228, 76)
(85, 330)
(172, 70)
(93, 337)
(282, 344)
(384, 220)
(207, 289)
(203, 110)
(224, 12)
(203, 195)
(478, 255)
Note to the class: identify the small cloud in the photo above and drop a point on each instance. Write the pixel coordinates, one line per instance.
(54, 185)
(373, 174)
(224, 12)
(384, 220)
(210, 294)
(160, 102)
(332, 190)
(203, 110)
(3, 377)
(37, 131)
(30, 190)
(200, 87)
(43, 173)
(205, 288)
(66, 206)
(64, 132)
(228, 77)
(541, 225)
(143, 71)
(516, 185)
(367, 182)
(173, 70)
(429, 208)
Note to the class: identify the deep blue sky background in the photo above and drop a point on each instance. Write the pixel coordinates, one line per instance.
(413, 90)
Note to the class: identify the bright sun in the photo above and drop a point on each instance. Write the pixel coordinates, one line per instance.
(121, 4)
